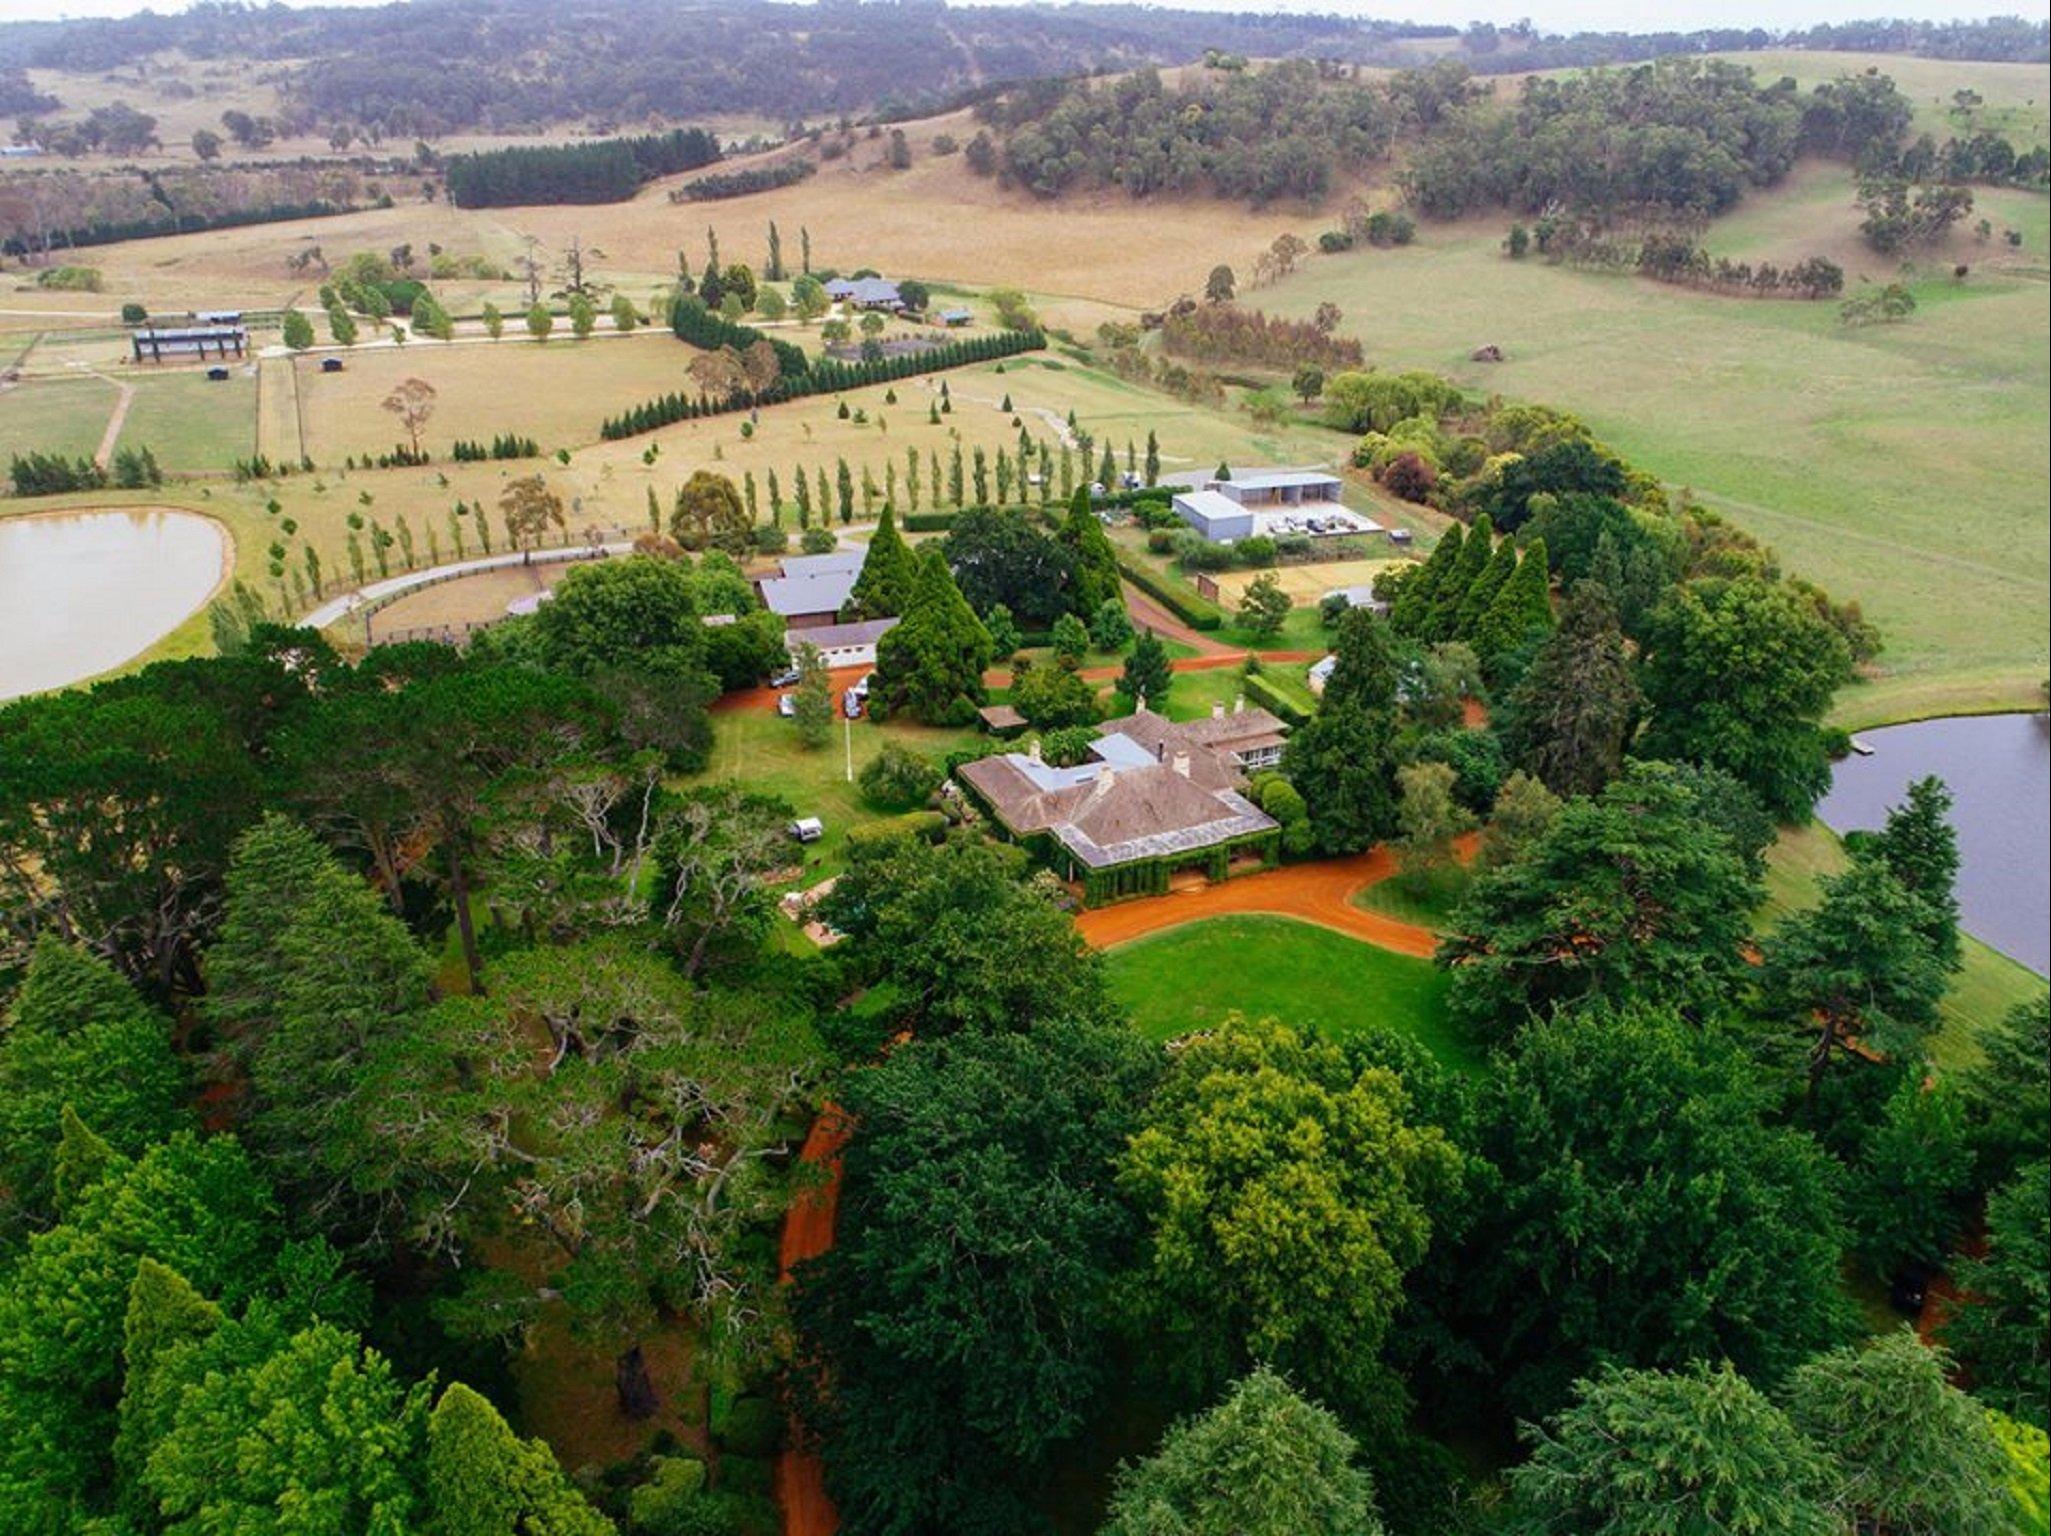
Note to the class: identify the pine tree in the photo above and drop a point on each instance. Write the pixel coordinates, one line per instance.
(1921, 848)
(844, 485)
(802, 494)
(1107, 471)
(1570, 715)
(484, 1480)
(1148, 675)
(1410, 616)
(79, 1038)
(1153, 470)
(772, 269)
(1521, 614)
(83, 1159)
(981, 477)
(956, 491)
(911, 479)
(889, 570)
(1340, 759)
(823, 494)
(1446, 600)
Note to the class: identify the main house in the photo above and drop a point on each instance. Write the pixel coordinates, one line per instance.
(866, 293)
(1266, 501)
(1153, 798)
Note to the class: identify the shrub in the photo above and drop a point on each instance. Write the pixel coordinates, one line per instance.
(753, 1428)
(673, 1483)
(897, 778)
(817, 541)
(1161, 541)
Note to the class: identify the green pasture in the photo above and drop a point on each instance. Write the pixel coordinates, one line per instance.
(1903, 466)
(63, 416)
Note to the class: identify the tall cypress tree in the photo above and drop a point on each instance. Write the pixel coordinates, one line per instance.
(930, 665)
(889, 571)
(1521, 613)
(1444, 620)
(1340, 760)
(1411, 614)
(1568, 718)
(1093, 579)
(1153, 472)
(1501, 565)
(1919, 845)
(844, 485)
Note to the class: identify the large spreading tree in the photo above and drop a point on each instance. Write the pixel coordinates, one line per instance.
(1631, 896)
(1645, 1212)
(1286, 1189)
(1737, 675)
(962, 1321)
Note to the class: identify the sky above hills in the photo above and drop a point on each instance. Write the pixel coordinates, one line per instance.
(1555, 16)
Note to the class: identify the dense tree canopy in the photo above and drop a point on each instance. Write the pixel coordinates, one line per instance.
(1644, 1212)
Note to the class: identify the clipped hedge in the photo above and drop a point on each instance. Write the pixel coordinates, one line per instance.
(929, 825)
(1273, 700)
(927, 522)
(1196, 612)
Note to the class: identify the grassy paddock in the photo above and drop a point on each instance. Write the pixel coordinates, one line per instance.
(192, 423)
(1900, 465)
(63, 416)
(1189, 978)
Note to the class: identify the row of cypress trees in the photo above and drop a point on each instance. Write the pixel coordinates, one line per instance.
(1473, 589)
(812, 377)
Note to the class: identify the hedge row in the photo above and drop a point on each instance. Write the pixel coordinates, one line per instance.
(114, 231)
(693, 323)
(1196, 612)
(927, 522)
(1273, 700)
(922, 824)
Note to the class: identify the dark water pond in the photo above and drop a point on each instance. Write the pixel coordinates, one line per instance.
(1999, 770)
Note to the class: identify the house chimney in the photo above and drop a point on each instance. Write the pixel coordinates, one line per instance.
(1218, 710)
(1160, 751)
(1182, 764)
(1033, 749)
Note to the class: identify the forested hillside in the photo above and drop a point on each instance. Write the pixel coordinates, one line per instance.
(418, 70)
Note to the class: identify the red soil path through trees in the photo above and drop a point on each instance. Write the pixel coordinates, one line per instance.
(808, 1233)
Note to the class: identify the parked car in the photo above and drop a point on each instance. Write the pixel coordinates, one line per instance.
(787, 705)
(807, 829)
(851, 701)
(787, 678)
(862, 683)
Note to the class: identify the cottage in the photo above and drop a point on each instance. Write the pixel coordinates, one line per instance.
(809, 591)
(841, 645)
(1154, 797)
(955, 317)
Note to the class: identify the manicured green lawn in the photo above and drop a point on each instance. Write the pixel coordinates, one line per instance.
(1191, 977)
(762, 751)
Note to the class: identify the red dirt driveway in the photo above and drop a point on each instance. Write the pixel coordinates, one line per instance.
(1318, 893)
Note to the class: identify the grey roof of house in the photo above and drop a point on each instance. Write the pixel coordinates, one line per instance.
(190, 333)
(1356, 597)
(863, 290)
(837, 636)
(1277, 479)
(790, 597)
(957, 314)
(1132, 801)
(820, 565)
